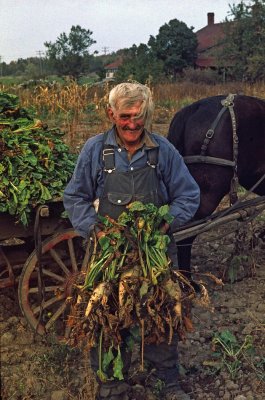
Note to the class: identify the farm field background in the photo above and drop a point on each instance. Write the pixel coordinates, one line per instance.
(79, 110)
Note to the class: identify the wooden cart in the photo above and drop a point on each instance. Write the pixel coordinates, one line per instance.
(44, 260)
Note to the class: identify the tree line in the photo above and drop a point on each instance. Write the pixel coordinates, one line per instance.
(166, 56)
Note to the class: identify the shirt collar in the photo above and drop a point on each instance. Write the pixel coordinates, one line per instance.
(147, 140)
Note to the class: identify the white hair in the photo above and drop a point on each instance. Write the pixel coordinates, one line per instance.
(127, 94)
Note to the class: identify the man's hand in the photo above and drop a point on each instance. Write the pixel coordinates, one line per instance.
(100, 234)
(98, 230)
(164, 228)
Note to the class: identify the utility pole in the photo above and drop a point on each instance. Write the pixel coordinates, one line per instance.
(105, 49)
(40, 53)
(1, 66)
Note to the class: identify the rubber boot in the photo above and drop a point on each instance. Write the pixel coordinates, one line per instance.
(139, 392)
(113, 391)
(174, 392)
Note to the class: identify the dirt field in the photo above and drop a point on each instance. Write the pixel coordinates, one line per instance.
(33, 367)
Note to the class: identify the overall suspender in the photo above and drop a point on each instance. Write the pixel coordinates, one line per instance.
(108, 155)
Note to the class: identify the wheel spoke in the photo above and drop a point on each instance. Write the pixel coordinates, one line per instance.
(72, 254)
(67, 332)
(53, 275)
(9, 266)
(56, 315)
(48, 303)
(59, 261)
(46, 289)
(86, 257)
(62, 259)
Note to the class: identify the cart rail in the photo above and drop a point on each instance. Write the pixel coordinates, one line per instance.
(241, 212)
(51, 221)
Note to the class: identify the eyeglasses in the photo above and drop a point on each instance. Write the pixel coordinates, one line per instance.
(128, 117)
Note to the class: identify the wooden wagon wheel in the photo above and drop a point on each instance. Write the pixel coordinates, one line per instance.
(63, 257)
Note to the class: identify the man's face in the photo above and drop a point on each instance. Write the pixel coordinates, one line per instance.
(129, 125)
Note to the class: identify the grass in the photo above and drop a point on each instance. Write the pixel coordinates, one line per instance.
(11, 80)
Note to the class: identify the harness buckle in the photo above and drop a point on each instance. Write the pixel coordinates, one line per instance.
(209, 133)
(228, 101)
(108, 158)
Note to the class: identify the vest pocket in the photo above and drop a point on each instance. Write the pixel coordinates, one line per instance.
(152, 197)
(119, 199)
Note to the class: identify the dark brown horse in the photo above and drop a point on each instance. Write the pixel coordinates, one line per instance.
(229, 129)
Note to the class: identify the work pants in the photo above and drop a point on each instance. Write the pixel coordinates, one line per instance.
(161, 359)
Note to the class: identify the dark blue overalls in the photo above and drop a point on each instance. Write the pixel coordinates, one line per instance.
(121, 188)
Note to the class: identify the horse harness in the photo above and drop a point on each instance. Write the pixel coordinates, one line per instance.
(228, 104)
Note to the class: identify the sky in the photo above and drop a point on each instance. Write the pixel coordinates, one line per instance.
(26, 24)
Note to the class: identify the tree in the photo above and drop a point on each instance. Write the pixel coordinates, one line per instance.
(69, 54)
(244, 45)
(175, 45)
(17, 67)
(140, 64)
(32, 71)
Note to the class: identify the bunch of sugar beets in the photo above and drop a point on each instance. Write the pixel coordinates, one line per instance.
(129, 284)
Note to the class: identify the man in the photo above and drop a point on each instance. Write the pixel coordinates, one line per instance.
(125, 164)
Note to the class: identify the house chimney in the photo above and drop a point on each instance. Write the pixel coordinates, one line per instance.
(210, 17)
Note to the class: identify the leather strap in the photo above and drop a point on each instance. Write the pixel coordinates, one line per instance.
(108, 154)
(208, 160)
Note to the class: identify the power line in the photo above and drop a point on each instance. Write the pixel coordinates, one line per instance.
(40, 54)
(105, 49)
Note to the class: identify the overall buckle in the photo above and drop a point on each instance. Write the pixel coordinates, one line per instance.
(109, 161)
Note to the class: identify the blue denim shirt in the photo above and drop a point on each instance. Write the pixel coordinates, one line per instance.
(178, 187)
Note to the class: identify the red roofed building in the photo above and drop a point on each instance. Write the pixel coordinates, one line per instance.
(112, 68)
(209, 39)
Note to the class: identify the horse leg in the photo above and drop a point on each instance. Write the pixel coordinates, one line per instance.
(184, 260)
(209, 201)
(184, 256)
